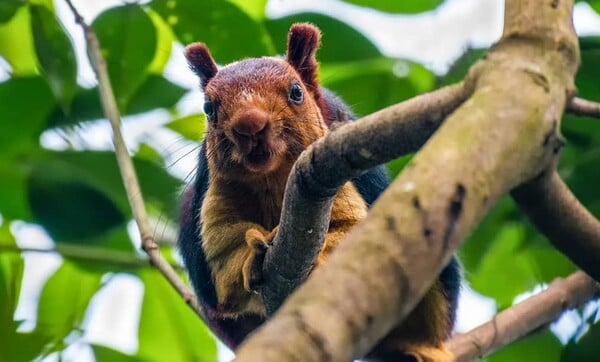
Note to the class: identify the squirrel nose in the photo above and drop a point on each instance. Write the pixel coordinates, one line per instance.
(250, 122)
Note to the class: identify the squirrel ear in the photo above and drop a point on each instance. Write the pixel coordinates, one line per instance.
(303, 41)
(201, 62)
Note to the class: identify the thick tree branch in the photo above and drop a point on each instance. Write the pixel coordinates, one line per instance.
(345, 153)
(557, 213)
(583, 107)
(504, 135)
(130, 181)
(524, 318)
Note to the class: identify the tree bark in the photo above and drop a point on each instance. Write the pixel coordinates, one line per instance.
(584, 108)
(524, 318)
(504, 135)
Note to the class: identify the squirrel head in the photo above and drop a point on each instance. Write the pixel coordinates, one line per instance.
(261, 112)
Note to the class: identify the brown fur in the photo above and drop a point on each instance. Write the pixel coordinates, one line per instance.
(254, 115)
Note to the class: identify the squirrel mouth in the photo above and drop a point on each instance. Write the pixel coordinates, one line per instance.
(259, 156)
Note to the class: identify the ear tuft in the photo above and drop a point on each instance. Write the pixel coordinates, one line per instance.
(201, 62)
(303, 41)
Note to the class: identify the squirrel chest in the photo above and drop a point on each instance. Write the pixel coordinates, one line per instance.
(260, 204)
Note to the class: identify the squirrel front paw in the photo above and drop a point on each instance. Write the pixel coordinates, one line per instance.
(258, 242)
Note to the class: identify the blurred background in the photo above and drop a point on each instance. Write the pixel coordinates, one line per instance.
(74, 285)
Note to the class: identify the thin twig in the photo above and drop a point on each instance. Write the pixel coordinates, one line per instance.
(524, 318)
(583, 107)
(130, 181)
(557, 213)
(86, 253)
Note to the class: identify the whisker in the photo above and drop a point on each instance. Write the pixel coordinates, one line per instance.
(194, 149)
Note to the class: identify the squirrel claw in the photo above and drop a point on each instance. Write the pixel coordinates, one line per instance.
(258, 242)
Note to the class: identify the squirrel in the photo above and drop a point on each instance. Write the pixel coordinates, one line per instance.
(261, 114)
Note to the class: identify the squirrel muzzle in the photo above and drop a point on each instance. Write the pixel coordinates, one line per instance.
(251, 133)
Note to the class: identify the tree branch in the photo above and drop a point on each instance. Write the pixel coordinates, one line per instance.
(130, 181)
(344, 154)
(583, 107)
(557, 213)
(86, 253)
(524, 318)
(504, 135)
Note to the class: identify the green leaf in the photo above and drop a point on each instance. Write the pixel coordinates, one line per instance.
(55, 54)
(99, 171)
(13, 192)
(394, 80)
(8, 8)
(26, 104)
(164, 43)
(394, 6)
(582, 135)
(21, 346)
(128, 41)
(229, 32)
(396, 166)
(84, 107)
(113, 243)
(588, 74)
(169, 329)
(155, 92)
(15, 346)
(64, 301)
(6, 236)
(473, 252)
(16, 44)
(506, 254)
(11, 275)
(105, 354)
(540, 347)
(146, 152)
(581, 179)
(340, 42)
(585, 349)
(70, 210)
(254, 8)
(547, 263)
(525, 258)
(190, 127)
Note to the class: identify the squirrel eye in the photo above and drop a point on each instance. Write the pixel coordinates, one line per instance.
(295, 94)
(209, 109)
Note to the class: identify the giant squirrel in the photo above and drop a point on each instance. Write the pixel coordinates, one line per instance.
(261, 114)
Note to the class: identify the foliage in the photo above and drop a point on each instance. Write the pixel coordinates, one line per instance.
(78, 197)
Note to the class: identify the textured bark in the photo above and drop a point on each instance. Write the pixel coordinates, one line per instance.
(557, 213)
(504, 135)
(524, 318)
(585, 108)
